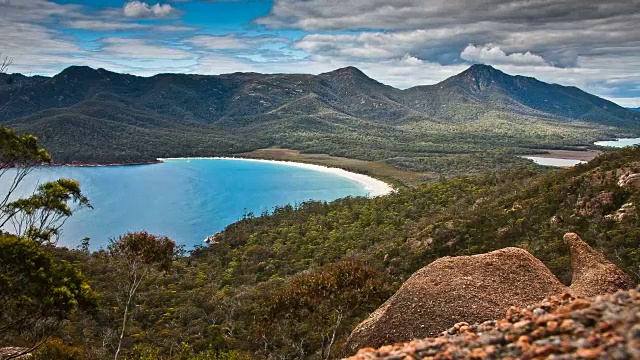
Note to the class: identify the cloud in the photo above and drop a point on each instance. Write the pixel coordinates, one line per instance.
(559, 31)
(141, 10)
(595, 46)
(104, 25)
(493, 55)
(435, 45)
(407, 14)
(230, 41)
(127, 48)
(99, 25)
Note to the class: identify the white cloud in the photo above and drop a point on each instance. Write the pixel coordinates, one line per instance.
(493, 55)
(103, 25)
(229, 42)
(128, 48)
(431, 45)
(141, 10)
(99, 25)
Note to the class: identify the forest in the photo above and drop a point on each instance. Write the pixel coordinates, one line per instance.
(294, 282)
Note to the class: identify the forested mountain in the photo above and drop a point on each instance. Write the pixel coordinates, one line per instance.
(89, 115)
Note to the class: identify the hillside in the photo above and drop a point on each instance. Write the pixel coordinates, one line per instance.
(89, 115)
(295, 283)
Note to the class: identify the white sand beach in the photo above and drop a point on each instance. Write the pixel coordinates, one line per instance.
(374, 187)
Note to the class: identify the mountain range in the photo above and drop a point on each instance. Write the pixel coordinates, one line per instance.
(88, 115)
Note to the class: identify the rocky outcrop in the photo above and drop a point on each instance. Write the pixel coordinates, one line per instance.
(630, 180)
(596, 206)
(479, 288)
(565, 327)
(452, 289)
(592, 274)
(625, 212)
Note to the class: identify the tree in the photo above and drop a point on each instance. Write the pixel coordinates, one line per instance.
(38, 293)
(135, 256)
(40, 216)
(4, 65)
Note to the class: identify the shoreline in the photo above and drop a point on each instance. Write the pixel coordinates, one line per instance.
(582, 155)
(373, 186)
(81, 164)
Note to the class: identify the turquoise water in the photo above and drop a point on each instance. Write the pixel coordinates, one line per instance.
(185, 200)
(619, 143)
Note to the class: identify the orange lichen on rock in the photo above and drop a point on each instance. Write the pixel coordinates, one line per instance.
(602, 327)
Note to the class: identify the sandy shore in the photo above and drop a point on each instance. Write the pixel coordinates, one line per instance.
(373, 187)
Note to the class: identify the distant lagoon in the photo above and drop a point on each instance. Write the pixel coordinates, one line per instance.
(186, 200)
(546, 161)
(619, 143)
(564, 162)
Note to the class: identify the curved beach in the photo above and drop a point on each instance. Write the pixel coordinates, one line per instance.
(373, 186)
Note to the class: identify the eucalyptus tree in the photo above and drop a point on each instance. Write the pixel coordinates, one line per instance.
(136, 257)
(38, 292)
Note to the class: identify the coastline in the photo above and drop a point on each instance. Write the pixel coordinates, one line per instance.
(585, 155)
(81, 164)
(373, 186)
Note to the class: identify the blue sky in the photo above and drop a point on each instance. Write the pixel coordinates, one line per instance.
(590, 44)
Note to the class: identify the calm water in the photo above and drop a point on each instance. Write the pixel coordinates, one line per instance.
(553, 161)
(185, 200)
(619, 143)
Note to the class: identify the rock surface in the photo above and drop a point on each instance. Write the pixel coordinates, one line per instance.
(592, 274)
(479, 288)
(564, 327)
(10, 352)
(630, 180)
(451, 289)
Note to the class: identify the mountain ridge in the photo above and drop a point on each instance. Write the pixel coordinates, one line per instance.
(343, 112)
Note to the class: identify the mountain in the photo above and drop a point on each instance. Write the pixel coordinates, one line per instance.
(484, 86)
(89, 115)
(636, 109)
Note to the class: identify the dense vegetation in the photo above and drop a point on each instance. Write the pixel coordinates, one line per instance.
(292, 284)
(89, 115)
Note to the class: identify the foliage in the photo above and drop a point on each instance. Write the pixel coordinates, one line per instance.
(40, 216)
(134, 256)
(56, 349)
(37, 291)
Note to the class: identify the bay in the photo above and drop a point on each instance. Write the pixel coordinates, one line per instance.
(186, 200)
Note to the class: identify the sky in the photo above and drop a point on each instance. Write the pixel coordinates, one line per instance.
(594, 45)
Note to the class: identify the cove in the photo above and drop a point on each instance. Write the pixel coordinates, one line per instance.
(186, 199)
